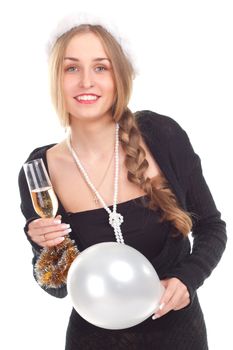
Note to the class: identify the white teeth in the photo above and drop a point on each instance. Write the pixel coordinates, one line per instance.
(86, 98)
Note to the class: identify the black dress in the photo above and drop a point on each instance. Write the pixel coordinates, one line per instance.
(141, 229)
(169, 252)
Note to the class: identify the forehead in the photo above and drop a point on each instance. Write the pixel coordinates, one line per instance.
(85, 45)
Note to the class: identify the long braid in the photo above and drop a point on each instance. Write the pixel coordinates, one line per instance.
(157, 188)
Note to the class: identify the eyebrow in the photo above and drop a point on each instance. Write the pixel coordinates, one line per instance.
(98, 59)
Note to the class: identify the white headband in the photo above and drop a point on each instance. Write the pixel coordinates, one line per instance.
(74, 20)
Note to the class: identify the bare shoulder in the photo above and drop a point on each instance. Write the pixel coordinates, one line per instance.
(58, 158)
(58, 154)
(56, 150)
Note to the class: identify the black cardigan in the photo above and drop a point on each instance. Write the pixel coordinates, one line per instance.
(172, 150)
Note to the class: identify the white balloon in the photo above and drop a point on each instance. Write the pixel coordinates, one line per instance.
(113, 286)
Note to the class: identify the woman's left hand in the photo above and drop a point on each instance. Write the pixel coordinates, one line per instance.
(175, 297)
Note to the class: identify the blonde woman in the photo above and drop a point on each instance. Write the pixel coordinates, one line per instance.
(162, 193)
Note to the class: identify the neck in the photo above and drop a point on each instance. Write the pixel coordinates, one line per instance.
(94, 139)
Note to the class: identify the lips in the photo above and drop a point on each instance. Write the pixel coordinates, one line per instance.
(87, 98)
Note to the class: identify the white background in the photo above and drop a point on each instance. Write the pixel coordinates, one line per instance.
(184, 54)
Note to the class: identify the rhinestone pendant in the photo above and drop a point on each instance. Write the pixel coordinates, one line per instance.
(96, 200)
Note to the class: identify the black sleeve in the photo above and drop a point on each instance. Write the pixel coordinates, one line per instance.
(209, 230)
(30, 215)
(188, 183)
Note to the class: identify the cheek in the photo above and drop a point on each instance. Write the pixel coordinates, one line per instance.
(109, 87)
(68, 85)
(65, 86)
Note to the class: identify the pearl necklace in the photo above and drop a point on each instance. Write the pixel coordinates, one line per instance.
(115, 219)
(102, 180)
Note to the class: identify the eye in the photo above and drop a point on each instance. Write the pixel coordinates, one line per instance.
(100, 69)
(71, 69)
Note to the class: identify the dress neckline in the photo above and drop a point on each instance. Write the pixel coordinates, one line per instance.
(122, 205)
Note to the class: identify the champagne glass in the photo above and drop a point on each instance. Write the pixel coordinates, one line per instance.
(52, 266)
(43, 197)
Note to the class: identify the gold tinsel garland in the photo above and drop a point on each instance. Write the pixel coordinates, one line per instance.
(53, 264)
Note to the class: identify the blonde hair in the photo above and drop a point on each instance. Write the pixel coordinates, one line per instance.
(156, 189)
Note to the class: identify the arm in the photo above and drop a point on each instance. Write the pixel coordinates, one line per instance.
(30, 215)
(209, 230)
(209, 233)
(189, 272)
(182, 167)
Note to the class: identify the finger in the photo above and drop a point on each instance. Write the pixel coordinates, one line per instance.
(41, 227)
(53, 242)
(164, 283)
(170, 288)
(178, 298)
(164, 305)
(51, 229)
(185, 302)
(39, 223)
(164, 295)
(181, 306)
(39, 235)
(53, 235)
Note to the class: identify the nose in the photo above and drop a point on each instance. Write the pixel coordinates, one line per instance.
(86, 80)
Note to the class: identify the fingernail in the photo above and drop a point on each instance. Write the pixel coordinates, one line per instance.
(68, 230)
(61, 239)
(57, 221)
(161, 306)
(154, 317)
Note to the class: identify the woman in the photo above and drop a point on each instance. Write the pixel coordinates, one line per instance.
(161, 191)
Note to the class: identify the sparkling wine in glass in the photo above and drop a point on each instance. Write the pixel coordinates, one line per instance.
(43, 197)
(52, 266)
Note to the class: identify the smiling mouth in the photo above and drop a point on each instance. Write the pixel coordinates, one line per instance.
(87, 99)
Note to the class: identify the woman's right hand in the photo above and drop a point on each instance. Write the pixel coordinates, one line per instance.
(48, 232)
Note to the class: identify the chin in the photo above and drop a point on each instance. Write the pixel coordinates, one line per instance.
(89, 115)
